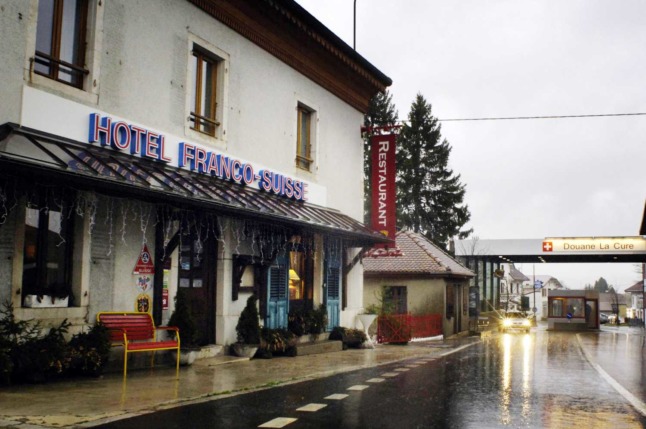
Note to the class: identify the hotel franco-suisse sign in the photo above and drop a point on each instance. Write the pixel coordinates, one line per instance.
(602, 245)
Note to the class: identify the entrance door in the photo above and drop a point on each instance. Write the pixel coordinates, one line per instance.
(591, 316)
(278, 297)
(197, 260)
(333, 288)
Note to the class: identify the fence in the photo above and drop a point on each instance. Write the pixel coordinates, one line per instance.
(401, 328)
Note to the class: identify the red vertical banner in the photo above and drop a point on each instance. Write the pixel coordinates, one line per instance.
(383, 219)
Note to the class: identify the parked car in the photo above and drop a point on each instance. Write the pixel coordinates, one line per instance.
(603, 318)
(514, 321)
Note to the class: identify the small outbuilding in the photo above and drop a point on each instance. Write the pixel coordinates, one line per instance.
(573, 310)
(418, 278)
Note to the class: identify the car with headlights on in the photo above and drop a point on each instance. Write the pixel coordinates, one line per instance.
(515, 321)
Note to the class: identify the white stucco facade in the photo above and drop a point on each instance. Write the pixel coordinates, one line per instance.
(140, 72)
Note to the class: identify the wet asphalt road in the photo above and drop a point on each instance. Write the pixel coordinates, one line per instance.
(541, 379)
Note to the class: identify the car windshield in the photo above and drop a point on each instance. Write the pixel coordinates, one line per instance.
(514, 316)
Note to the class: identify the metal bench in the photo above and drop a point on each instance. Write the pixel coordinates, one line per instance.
(136, 332)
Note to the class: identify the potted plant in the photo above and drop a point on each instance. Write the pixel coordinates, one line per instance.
(182, 318)
(248, 330)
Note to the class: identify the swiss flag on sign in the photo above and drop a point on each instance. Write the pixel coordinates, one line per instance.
(547, 246)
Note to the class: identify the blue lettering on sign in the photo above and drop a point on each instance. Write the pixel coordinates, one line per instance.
(126, 137)
(223, 167)
(136, 140)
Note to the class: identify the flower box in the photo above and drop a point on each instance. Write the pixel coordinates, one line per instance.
(45, 301)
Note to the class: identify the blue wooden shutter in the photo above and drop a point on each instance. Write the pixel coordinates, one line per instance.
(277, 298)
(333, 288)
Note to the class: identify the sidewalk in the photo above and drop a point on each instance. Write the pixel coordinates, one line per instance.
(88, 402)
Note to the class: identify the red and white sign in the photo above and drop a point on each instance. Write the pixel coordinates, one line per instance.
(383, 217)
(547, 246)
(144, 264)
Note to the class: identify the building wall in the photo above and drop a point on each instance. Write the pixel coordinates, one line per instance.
(139, 70)
(424, 296)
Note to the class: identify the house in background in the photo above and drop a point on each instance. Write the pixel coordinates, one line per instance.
(511, 288)
(420, 279)
(613, 303)
(537, 289)
(635, 301)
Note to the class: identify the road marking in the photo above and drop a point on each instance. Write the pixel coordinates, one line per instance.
(390, 374)
(358, 387)
(311, 407)
(337, 396)
(634, 401)
(412, 366)
(278, 422)
(402, 369)
(375, 380)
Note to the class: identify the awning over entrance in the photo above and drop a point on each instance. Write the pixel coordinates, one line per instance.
(32, 154)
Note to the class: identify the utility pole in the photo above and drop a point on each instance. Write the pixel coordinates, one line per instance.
(354, 27)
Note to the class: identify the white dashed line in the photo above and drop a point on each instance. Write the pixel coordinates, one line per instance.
(358, 387)
(311, 407)
(375, 380)
(337, 396)
(402, 369)
(412, 366)
(278, 422)
(390, 374)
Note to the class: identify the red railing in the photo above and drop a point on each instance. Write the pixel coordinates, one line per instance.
(401, 328)
(428, 325)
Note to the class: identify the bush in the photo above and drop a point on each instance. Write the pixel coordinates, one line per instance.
(89, 351)
(276, 341)
(28, 356)
(312, 322)
(352, 338)
(248, 327)
(182, 318)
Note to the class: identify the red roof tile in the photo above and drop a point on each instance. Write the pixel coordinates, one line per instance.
(418, 256)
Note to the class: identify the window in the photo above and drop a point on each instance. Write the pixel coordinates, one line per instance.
(61, 40)
(203, 103)
(48, 248)
(450, 301)
(304, 138)
(301, 270)
(396, 299)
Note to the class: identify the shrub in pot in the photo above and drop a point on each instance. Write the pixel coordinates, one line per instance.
(248, 330)
(182, 318)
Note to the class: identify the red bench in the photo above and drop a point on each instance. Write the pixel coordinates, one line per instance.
(136, 332)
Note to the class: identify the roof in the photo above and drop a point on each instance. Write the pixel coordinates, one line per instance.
(419, 256)
(43, 158)
(515, 274)
(637, 287)
(290, 33)
(606, 300)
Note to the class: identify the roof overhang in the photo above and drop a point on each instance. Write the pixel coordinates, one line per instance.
(290, 33)
(35, 156)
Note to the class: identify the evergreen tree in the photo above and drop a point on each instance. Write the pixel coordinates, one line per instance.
(601, 285)
(381, 112)
(430, 197)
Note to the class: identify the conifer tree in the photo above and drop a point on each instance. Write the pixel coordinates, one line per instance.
(381, 112)
(430, 197)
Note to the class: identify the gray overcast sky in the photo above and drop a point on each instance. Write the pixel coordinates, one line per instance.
(501, 58)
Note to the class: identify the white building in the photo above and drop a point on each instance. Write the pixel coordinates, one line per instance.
(221, 136)
(538, 289)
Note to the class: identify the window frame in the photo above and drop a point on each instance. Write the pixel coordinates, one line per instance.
(396, 299)
(52, 60)
(304, 159)
(196, 116)
(44, 205)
